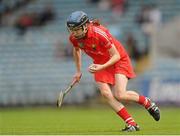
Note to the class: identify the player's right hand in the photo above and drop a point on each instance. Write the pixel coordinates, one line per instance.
(77, 76)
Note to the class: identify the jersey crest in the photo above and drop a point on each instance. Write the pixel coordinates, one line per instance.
(94, 46)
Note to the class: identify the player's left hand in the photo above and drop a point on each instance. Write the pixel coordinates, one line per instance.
(95, 67)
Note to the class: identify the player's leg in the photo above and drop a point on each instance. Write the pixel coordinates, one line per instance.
(117, 107)
(122, 94)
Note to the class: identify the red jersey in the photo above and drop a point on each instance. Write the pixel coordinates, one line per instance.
(96, 44)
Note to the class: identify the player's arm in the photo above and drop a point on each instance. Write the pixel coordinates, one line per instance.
(77, 60)
(106, 44)
(115, 56)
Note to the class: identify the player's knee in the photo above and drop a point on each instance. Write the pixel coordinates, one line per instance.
(121, 96)
(107, 94)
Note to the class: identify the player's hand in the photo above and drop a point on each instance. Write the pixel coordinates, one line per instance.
(95, 67)
(77, 76)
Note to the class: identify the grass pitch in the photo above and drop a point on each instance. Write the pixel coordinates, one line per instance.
(79, 120)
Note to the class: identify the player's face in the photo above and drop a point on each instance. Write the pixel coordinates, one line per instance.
(79, 32)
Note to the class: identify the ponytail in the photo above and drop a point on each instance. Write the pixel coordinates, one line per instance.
(96, 22)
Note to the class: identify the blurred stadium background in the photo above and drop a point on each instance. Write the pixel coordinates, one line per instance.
(36, 57)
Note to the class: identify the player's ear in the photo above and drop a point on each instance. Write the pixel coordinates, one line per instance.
(85, 28)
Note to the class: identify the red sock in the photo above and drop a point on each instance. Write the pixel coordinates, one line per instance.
(144, 101)
(126, 117)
